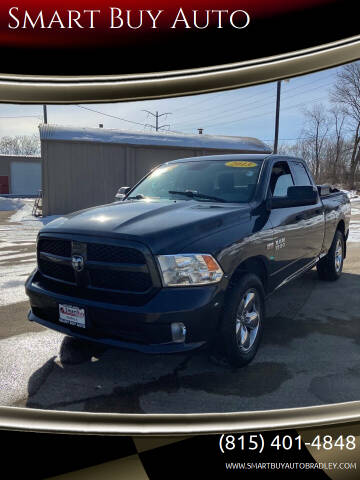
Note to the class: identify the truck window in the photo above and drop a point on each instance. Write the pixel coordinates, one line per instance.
(230, 181)
(301, 177)
(280, 179)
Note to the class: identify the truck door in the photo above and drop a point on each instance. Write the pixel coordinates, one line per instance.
(287, 226)
(311, 218)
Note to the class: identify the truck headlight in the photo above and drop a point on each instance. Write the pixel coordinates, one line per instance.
(189, 269)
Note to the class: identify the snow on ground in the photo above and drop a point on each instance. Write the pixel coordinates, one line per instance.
(17, 249)
(352, 194)
(354, 232)
(24, 215)
(7, 204)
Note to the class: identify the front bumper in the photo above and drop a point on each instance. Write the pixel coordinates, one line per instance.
(145, 328)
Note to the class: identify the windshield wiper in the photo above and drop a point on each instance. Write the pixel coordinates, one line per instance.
(191, 194)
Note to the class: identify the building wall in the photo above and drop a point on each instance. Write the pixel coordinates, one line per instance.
(78, 175)
(7, 160)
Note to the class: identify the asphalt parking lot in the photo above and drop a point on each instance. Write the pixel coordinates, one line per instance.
(310, 355)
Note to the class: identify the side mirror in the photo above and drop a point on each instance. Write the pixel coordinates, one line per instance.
(121, 193)
(296, 197)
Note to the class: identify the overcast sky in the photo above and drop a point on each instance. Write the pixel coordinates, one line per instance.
(242, 112)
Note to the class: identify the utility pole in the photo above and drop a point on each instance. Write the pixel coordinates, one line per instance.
(45, 114)
(157, 116)
(277, 117)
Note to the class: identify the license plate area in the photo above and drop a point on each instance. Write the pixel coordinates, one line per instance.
(72, 315)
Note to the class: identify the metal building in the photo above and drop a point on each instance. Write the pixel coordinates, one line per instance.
(20, 175)
(84, 167)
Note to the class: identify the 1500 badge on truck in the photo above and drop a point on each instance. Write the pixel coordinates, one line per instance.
(189, 255)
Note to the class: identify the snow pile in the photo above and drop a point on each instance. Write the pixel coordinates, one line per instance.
(17, 249)
(352, 194)
(24, 215)
(8, 204)
(354, 231)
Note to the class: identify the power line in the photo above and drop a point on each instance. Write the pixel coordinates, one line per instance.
(221, 112)
(123, 119)
(157, 116)
(262, 114)
(111, 116)
(214, 96)
(259, 104)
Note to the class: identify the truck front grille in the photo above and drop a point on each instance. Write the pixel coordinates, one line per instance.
(55, 246)
(56, 270)
(133, 281)
(113, 253)
(107, 268)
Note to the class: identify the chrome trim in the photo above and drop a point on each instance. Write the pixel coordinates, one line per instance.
(284, 267)
(338, 255)
(16, 88)
(291, 277)
(29, 419)
(247, 320)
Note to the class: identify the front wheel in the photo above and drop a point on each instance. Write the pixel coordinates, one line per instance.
(330, 267)
(242, 320)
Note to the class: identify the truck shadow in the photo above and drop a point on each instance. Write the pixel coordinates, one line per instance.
(95, 378)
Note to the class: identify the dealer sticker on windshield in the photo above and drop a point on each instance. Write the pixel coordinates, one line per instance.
(240, 164)
(72, 315)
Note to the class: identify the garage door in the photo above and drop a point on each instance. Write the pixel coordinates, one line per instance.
(25, 178)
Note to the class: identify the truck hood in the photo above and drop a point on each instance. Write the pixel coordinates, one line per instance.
(164, 226)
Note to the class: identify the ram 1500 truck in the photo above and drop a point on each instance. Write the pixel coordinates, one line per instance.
(189, 255)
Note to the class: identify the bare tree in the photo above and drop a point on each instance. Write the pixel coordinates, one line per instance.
(316, 129)
(336, 145)
(346, 94)
(20, 145)
(295, 149)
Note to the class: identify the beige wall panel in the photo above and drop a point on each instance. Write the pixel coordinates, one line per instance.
(148, 158)
(82, 175)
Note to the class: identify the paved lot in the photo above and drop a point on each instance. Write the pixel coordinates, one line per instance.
(310, 355)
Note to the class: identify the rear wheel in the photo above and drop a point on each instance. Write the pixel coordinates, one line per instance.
(330, 267)
(242, 321)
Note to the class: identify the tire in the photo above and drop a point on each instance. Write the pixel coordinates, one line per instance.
(240, 334)
(330, 267)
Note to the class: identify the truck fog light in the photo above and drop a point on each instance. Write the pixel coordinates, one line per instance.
(178, 332)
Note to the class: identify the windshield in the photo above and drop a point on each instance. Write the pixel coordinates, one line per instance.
(225, 181)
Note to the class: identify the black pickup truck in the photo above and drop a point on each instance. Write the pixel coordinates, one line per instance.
(189, 255)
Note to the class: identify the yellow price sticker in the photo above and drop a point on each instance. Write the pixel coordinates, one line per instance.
(240, 164)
